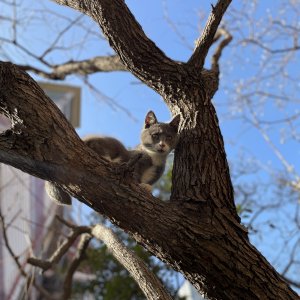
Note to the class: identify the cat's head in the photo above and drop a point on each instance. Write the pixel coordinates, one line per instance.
(159, 137)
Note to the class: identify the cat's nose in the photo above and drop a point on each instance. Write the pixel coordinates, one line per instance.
(162, 145)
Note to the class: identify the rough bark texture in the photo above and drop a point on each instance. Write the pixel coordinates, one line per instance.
(83, 67)
(147, 281)
(198, 231)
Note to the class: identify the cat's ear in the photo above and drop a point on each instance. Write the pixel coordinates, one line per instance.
(150, 119)
(175, 122)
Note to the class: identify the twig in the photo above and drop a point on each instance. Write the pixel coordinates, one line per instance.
(17, 262)
(60, 251)
(65, 222)
(82, 246)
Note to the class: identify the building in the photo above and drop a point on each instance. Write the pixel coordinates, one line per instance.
(189, 292)
(28, 212)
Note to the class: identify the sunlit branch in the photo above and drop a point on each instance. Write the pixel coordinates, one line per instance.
(207, 37)
(140, 54)
(84, 67)
(147, 281)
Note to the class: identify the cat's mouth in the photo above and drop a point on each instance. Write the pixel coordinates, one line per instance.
(160, 150)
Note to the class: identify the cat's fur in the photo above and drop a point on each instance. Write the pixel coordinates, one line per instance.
(147, 160)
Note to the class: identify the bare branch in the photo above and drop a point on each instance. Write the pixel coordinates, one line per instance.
(256, 42)
(58, 37)
(17, 262)
(289, 167)
(65, 222)
(138, 53)
(60, 251)
(82, 246)
(26, 51)
(8, 247)
(207, 37)
(218, 52)
(84, 67)
(148, 282)
(108, 100)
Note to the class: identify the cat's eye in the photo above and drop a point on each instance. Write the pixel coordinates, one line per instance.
(168, 137)
(154, 135)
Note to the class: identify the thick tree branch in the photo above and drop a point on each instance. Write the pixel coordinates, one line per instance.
(207, 37)
(147, 281)
(84, 67)
(138, 53)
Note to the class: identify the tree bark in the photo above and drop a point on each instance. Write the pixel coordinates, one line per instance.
(198, 231)
(83, 67)
(150, 284)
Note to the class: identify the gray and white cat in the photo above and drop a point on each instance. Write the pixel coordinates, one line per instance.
(147, 160)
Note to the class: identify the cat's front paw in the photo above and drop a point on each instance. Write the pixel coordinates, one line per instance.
(146, 187)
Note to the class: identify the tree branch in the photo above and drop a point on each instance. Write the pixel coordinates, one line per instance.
(139, 54)
(207, 37)
(260, 44)
(147, 281)
(17, 262)
(84, 67)
(60, 251)
(82, 246)
(218, 51)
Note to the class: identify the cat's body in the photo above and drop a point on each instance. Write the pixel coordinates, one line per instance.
(147, 160)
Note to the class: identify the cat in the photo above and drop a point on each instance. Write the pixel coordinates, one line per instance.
(147, 160)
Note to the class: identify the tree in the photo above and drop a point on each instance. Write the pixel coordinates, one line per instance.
(111, 281)
(198, 231)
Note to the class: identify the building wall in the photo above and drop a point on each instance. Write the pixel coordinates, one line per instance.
(27, 210)
(189, 292)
